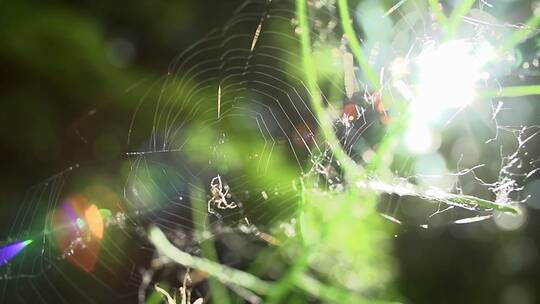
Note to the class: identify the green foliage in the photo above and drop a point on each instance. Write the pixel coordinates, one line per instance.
(341, 251)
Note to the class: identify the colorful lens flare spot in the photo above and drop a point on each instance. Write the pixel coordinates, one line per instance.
(78, 231)
(8, 252)
(94, 222)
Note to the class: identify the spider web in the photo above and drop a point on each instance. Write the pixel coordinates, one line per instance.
(228, 136)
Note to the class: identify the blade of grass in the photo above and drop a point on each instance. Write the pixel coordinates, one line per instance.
(441, 19)
(461, 10)
(513, 91)
(384, 151)
(354, 44)
(518, 36)
(351, 169)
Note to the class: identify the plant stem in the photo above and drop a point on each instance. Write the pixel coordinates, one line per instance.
(223, 273)
(403, 188)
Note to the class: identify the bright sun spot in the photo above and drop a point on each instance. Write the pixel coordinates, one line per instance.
(447, 78)
(421, 139)
(448, 75)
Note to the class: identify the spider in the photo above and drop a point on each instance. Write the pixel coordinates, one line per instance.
(219, 195)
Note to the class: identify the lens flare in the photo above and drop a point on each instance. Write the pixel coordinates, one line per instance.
(421, 139)
(78, 231)
(448, 76)
(8, 252)
(94, 221)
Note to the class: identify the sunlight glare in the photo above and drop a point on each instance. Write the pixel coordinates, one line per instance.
(448, 74)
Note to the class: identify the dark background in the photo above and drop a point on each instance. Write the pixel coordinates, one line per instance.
(62, 60)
